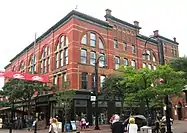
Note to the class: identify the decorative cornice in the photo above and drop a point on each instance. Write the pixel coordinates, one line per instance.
(122, 22)
(68, 17)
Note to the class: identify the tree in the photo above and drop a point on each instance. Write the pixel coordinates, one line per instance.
(114, 89)
(171, 82)
(22, 90)
(65, 98)
(141, 83)
(179, 64)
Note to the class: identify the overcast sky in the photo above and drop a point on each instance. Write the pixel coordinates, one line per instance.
(20, 19)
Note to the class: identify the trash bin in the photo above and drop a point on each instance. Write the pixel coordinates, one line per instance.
(146, 129)
(67, 127)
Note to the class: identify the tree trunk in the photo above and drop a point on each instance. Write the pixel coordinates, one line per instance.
(29, 107)
(148, 109)
(122, 105)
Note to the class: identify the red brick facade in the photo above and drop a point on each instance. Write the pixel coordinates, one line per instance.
(74, 27)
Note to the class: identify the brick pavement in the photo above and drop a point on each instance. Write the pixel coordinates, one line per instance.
(179, 127)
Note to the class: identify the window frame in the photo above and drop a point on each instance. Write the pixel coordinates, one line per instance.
(84, 80)
(117, 62)
(92, 59)
(93, 40)
(83, 56)
(115, 43)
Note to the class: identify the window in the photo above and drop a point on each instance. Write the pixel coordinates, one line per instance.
(133, 63)
(65, 77)
(115, 43)
(101, 46)
(55, 80)
(45, 60)
(63, 41)
(83, 56)
(14, 69)
(149, 55)
(149, 66)
(144, 65)
(102, 79)
(61, 58)
(92, 58)
(125, 46)
(154, 58)
(154, 67)
(32, 64)
(84, 80)
(117, 62)
(56, 60)
(61, 52)
(126, 62)
(133, 49)
(65, 56)
(93, 81)
(102, 62)
(92, 39)
(22, 66)
(84, 39)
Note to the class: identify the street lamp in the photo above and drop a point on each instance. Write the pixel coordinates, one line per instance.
(96, 91)
(161, 62)
(185, 91)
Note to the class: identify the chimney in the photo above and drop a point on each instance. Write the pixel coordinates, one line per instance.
(155, 33)
(174, 39)
(108, 12)
(136, 23)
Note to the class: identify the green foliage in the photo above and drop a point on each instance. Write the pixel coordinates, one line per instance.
(65, 97)
(174, 80)
(179, 64)
(113, 87)
(22, 90)
(143, 85)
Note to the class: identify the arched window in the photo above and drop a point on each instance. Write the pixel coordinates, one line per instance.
(84, 39)
(45, 60)
(14, 68)
(133, 63)
(93, 39)
(144, 65)
(22, 66)
(32, 64)
(101, 45)
(61, 52)
(153, 58)
(126, 62)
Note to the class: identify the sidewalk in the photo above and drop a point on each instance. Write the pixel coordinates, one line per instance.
(103, 129)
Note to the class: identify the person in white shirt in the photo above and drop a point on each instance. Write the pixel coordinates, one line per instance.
(132, 127)
(53, 126)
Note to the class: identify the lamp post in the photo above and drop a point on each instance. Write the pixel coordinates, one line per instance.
(36, 115)
(96, 92)
(161, 62)
(185, 91)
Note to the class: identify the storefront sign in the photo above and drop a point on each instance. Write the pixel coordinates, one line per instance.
(24, 76)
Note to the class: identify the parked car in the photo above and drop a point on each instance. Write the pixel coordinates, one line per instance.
(140, 120)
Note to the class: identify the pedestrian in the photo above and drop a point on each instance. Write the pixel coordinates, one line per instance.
(53, 128)
(117, 126)
(132, 127)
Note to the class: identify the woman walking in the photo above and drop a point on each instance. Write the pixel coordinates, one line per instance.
(132, 127)
(53, 126)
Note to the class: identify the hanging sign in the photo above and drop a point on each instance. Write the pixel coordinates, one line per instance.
(25, 76)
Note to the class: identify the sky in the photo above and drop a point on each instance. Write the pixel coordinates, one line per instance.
(20, 19)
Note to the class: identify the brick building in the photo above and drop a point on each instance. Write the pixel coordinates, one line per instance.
(68, 50)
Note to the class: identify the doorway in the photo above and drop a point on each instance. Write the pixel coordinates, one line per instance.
(179, 111)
